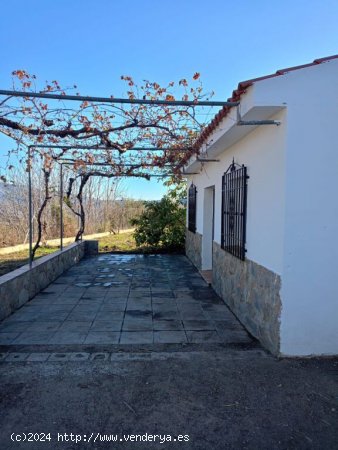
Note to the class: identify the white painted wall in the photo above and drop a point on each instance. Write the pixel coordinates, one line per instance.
(262, 151)
(208, 211)
(309, 322)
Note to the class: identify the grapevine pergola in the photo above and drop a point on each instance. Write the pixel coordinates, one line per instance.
(148, 134)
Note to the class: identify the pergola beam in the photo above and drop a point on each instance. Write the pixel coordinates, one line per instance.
(72, 160)
(84, 147)
(85, 98)
(121, 175)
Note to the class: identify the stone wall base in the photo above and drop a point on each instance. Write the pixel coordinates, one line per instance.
(193, 248)
(252, 292)
(20, 285)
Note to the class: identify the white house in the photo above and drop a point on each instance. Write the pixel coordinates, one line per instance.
(263, 207)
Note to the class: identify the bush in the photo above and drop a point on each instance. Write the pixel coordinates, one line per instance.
(161, 225)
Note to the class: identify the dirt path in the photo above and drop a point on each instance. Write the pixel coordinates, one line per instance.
(56, 242)
(218, 399)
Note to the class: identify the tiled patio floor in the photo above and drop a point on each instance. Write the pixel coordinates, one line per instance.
(125, 299)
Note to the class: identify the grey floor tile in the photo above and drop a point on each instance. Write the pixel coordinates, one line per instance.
(219, 315)
(192, 315)
(185, 298)
(136, 337)
(188, 303)
(93, 298)
(19, 316)
(113, 307)
(14, 326)
(102, 337)
(64, 280)
(170, 301)
(95, 293)
(88, 306)
(8, 338)
(169, 337)
(116, 298)
(200, 337)
(33, 337)
(161, 291)
(137, 324)
(53, 316)
(42, 301)
(164, 307)
(31, 308)
(76, 326)
(106, 325)
(183, 292)
(229, 324)
(85, 309)
(60, 308)
(47, 299)
(109, 315)
(43, 326)
(142, 306)
(214, 301)
(135, 313)
(218, 309)
(173, 315)
(139, 292)
(50, 289)
(68, 337)
(194, 307)
(143, 301)
(82, 316)
(75, 291)
(198, 325)
(63, 300)
(235, 336)
(68, 297)
(167, 324)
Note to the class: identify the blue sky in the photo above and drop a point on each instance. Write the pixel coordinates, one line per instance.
(92, 43)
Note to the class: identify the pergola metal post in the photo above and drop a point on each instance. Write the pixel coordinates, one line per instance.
(61, 206)
(30, 206)
(79, 221)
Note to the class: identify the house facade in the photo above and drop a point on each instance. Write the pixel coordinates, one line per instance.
(263, 208)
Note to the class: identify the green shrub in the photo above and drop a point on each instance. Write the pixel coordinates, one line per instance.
(161, 225)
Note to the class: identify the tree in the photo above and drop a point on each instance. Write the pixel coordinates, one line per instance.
(117, 130)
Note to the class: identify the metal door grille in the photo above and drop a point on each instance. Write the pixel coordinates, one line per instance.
(234, 198)
(192, 208)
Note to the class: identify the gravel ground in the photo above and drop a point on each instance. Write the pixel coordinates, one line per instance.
(216, 397)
